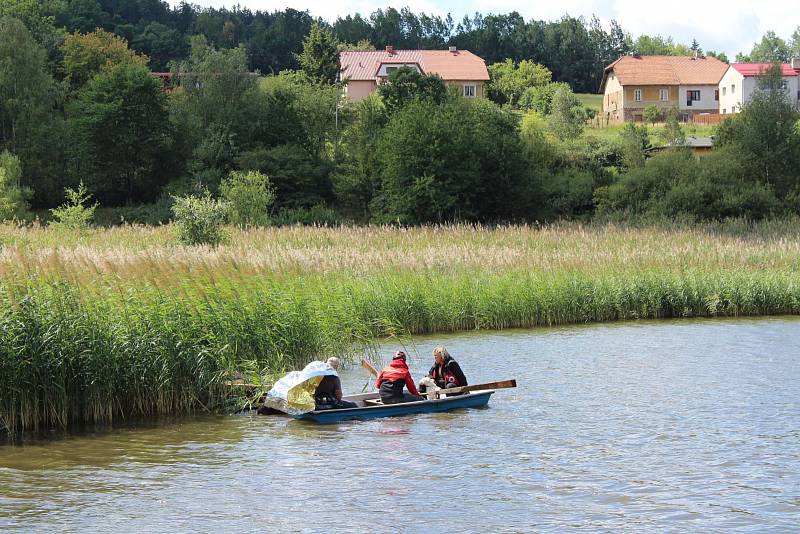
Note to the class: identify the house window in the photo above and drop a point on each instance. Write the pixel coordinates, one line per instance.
(692, 96)
(723, 90)
(733, 88)
(470, 90)
(724, 111)
(637, 95)
(716, 95)
(784, 85)
(664, 95)
(390, 70)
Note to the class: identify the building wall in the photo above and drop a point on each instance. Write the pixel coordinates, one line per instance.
(480, 89)
(633, 110)
(360, 89)
(613, 100)
(730, 99)
(707, 102)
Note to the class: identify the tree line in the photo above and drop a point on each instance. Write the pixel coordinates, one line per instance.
(91, 120)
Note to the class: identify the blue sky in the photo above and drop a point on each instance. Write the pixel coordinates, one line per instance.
(731, 26)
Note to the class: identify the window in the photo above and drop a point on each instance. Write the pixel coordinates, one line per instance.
(692, 96)
(733, 88)
(470, 90)
(724, 111)
(637, 95)
(716, 95)
(723, 90)
(390, 70)
(784, 85)
(664, 95)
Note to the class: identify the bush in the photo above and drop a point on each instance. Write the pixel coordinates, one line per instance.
(540, 98)
(567, 116)
(150, 214)
(200, 220)
(74, 214)
(14, 200)
(250, 196)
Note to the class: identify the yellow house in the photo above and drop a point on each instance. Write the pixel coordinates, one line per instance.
(363, 71)
(688, 84)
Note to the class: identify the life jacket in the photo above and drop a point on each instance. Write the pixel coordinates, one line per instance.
(443, 374)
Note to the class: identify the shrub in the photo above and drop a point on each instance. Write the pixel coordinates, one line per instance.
(652, 113)
(200, 220)
(250, 195)
(14, 200)
(540, 98)
(319, 215)
(75, 213)
(567, 116)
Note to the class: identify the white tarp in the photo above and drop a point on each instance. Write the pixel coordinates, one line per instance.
(294, 393)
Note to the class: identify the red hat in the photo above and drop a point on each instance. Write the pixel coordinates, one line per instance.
(399, 355)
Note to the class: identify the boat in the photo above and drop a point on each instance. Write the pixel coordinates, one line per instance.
(370, 407)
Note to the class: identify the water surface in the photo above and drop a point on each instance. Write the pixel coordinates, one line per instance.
(670, 426)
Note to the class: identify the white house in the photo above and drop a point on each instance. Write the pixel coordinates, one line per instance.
(741, 79)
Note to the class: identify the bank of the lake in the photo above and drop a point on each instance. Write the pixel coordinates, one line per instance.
(649, 426)
(124, 323)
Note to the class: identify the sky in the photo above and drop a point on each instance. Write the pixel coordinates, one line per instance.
(730, 26)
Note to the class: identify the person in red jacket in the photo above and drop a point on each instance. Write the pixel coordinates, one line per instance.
(393, 378)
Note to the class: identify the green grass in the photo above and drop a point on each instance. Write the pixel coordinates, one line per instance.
(612, 132)
(107, 325)
(591, 100)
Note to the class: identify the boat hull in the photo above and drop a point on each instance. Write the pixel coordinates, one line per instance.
(471, 400)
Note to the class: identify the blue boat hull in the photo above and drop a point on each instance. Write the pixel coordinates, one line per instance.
(471, 400)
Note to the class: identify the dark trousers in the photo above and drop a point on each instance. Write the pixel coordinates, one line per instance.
(407, 397)
(336, 405)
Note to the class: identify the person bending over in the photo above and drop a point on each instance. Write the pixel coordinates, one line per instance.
(328, 395)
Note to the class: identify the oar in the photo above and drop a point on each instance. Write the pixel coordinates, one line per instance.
(368, 366)
(502, 384)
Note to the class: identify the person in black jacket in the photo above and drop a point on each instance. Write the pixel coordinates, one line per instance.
(328, 395)
(445, 371)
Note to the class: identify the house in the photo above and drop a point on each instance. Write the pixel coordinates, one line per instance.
(362, 72)
(686, 83)
(741, 79)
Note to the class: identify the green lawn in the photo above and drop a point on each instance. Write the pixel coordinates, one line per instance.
(591, 100)
(612, 131)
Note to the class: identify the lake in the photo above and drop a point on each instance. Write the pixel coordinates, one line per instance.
(668, 426)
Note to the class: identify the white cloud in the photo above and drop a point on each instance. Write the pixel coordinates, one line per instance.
(730, 26)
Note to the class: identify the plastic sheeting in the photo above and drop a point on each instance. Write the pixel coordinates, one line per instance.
(294, 393)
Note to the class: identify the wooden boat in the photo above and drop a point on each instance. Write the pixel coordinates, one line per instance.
(369, 407)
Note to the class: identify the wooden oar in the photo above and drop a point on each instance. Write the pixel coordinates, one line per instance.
(502, 384)
(368, 366)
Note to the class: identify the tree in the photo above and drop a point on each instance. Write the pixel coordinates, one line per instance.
(122, 135)
(695, 48)
(460, 160)
(250, 196)
(719, 55)
(540, 98)
(568, 115)
(85, 55)
(406, 85)
(30, 126)
(14, 199)
(634, 141)
(672, 134)
(770, 49)
(652, 113)
(161, 44)
(508, 81)
(320, 56)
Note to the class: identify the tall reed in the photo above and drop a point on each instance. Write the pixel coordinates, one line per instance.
(102, 326)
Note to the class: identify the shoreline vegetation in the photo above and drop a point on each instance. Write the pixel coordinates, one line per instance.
(103, 325)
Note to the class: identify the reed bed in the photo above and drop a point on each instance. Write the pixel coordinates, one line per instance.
(106, 325)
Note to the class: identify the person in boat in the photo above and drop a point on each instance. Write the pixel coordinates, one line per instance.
(393, 378)
(328, 395)
(445, 371)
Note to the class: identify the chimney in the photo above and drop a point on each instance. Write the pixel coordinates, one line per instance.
(453, 50)
(796, 63)
(390, 50)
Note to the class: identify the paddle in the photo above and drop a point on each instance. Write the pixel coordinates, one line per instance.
(368, 366)
(502, 384)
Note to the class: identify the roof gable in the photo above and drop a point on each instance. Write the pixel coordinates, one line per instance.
(458, 65)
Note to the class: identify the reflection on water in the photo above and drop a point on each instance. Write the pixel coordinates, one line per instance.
(665, 426)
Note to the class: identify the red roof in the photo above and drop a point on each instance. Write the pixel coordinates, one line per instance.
(458, 65)
(757, 69)
(666, 70)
